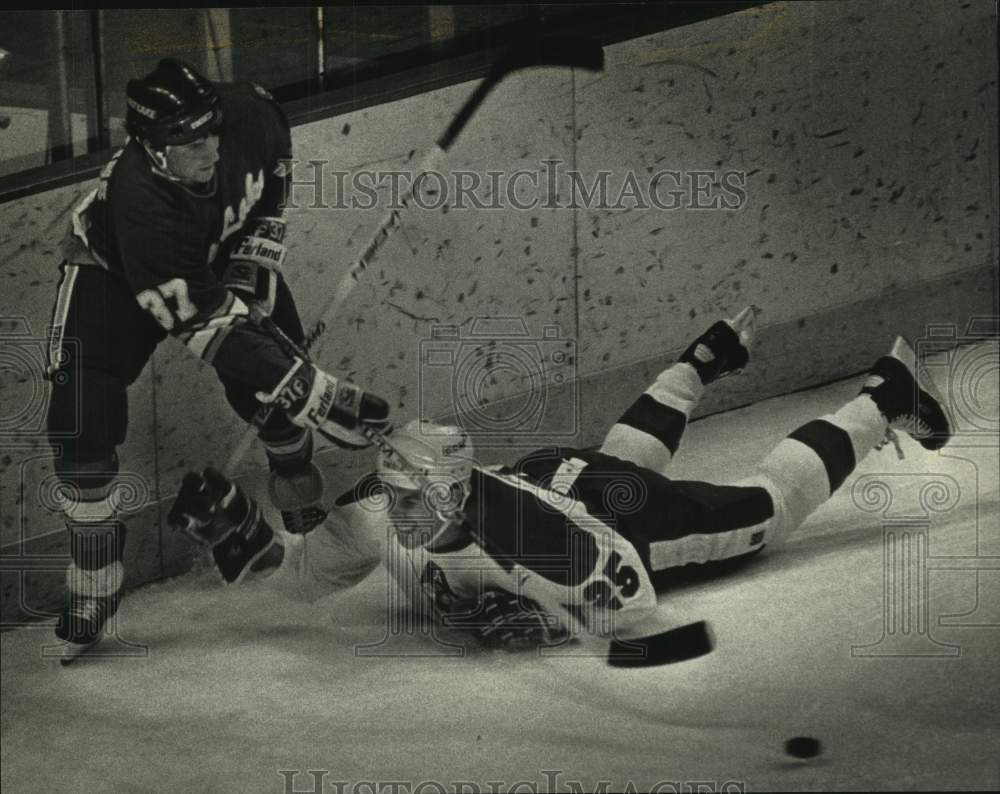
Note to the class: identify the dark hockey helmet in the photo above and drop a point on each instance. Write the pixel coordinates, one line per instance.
(172, 105)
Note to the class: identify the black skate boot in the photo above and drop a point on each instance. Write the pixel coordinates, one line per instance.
(905, 402)
(82, 623)
(723, 349)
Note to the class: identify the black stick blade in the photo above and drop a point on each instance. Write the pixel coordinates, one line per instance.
(676, 645)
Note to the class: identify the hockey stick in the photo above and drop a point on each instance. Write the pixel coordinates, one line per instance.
(669, 647)
(561, 51)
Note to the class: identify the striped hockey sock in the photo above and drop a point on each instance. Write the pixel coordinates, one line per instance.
(816, 459)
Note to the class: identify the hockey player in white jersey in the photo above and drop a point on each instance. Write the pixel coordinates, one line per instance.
(565, 541)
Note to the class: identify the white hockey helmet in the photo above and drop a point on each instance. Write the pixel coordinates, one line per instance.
(423, 451)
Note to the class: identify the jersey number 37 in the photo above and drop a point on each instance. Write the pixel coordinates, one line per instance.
(155, 302)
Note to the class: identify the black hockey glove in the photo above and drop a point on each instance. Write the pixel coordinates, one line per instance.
(334, 407)
(255, 265)
(208, 506)
(502, 620)
(217, 513)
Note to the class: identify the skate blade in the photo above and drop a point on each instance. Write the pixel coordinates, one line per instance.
(902, 351)
(745, 325)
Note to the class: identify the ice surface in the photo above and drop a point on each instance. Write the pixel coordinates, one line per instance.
(235, 685)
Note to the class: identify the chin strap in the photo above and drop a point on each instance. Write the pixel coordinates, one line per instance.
(158, 160)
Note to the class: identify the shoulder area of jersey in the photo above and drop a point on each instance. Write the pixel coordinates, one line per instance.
(256, 93)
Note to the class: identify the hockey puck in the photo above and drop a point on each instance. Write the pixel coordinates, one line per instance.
(676, 645)
(802, 747)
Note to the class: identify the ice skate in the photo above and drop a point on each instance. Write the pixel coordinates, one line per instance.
(82, 623)
(905, 400)
(724, 349)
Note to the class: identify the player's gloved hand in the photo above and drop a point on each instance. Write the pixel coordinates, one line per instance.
(208, 507)
(500, 619)
(336, 408)
(217, 513)
(255, 264)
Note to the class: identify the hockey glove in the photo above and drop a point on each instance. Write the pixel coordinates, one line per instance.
(207, 507)
(217, 513)
(334, 407)
(502, 620)
(255, 264)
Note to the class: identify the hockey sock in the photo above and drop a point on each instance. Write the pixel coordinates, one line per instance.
(816, 459)
(649, 433)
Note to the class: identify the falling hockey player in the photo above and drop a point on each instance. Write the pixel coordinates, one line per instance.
(182, 236)
(566, 540)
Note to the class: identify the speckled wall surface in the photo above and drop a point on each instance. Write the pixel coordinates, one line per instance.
(867, 133)
(443, 268)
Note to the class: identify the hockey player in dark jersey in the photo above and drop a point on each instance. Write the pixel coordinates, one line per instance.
(183, 236)
(567, 541)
